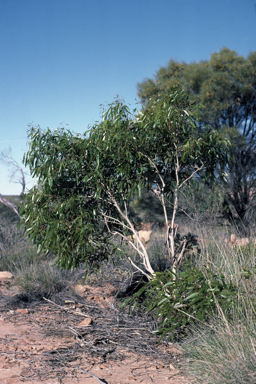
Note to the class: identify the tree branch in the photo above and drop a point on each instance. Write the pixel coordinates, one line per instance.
(9, 204)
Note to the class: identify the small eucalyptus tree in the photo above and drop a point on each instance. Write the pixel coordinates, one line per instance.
(86, 182)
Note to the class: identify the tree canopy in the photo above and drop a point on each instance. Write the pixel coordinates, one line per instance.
(86, 183)
(225, 86)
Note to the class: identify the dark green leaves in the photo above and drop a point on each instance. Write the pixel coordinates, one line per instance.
(86, 183)
(190, 296)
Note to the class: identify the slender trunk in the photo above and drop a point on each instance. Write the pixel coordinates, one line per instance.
(173, 232)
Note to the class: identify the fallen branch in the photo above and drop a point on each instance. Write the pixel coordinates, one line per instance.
(66, 309)
(89, 373)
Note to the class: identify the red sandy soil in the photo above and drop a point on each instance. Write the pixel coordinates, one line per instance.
(40, 344)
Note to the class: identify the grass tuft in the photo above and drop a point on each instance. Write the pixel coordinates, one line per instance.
(224, 350)
(42, 280)
(222, 353)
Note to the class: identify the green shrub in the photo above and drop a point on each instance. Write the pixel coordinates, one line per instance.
(187, 297)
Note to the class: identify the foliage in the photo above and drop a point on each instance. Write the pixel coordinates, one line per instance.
(62, 213)
(86, 183)
(188, 297)
(225, 86)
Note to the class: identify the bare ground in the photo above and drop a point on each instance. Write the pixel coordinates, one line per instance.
(44, 341)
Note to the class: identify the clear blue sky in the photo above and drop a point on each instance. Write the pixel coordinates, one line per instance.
(61, 59)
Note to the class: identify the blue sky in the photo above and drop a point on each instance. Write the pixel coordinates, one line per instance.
(61, 59)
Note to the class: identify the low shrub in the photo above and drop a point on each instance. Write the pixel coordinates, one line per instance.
(179, 300)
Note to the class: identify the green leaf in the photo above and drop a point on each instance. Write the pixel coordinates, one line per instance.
(194, 294)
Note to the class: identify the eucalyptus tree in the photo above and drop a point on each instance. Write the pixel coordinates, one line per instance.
(226, 86)
(86, 182)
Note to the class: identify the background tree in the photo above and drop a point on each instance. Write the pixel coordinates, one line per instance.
(16, 176)
(226, 87)
(87, 183)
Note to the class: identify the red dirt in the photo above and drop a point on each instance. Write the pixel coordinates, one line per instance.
(40, 344)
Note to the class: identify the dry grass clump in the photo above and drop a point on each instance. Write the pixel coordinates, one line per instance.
(222, 353)
(42, 280)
